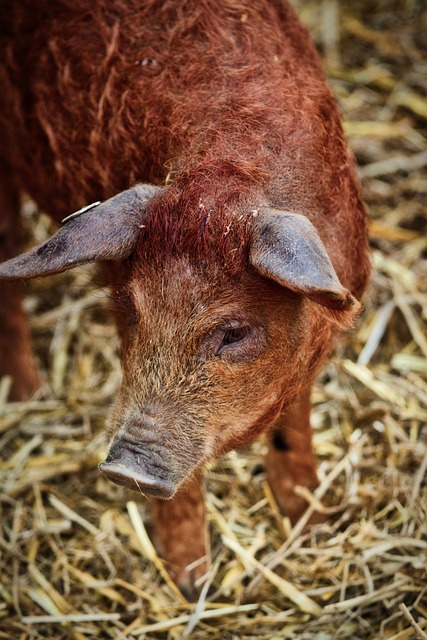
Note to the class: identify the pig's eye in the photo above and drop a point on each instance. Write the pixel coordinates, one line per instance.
(239, 343)
(233, 335)
(234, 342)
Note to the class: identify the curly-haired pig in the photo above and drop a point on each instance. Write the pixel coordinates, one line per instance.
(231, 229)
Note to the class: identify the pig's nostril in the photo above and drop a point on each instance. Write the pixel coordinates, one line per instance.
(137, 480)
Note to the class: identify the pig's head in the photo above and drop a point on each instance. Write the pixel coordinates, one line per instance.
(223, 319)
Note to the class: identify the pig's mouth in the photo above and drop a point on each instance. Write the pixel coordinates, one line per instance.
(144, 471)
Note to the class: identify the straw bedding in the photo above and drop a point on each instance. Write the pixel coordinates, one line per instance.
(75, 556)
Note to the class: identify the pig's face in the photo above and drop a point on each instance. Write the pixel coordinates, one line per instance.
(225, 314)
(207, 363)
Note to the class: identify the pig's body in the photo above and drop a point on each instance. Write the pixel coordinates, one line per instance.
(226, 300)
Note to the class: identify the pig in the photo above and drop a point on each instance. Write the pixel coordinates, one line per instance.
(230, 228)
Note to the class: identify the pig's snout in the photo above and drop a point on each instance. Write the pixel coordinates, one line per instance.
(140, 468)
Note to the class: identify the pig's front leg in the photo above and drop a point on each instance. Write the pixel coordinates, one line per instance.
(181, 535)
(290, 460)
(16, 357)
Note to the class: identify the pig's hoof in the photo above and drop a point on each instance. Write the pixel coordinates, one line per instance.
(189, 591)
(188, 581)
(294, 506)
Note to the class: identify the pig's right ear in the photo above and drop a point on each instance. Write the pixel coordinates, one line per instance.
(108, 231)
(286, 248)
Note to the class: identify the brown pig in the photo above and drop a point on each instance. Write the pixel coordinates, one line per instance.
(231, 231)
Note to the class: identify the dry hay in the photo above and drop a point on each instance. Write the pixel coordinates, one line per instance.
(75, 559)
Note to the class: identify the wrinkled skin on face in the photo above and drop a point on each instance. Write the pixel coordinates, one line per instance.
(208, 362)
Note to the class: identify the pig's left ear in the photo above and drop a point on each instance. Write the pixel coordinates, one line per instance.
(109, 231)
(287, 248)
